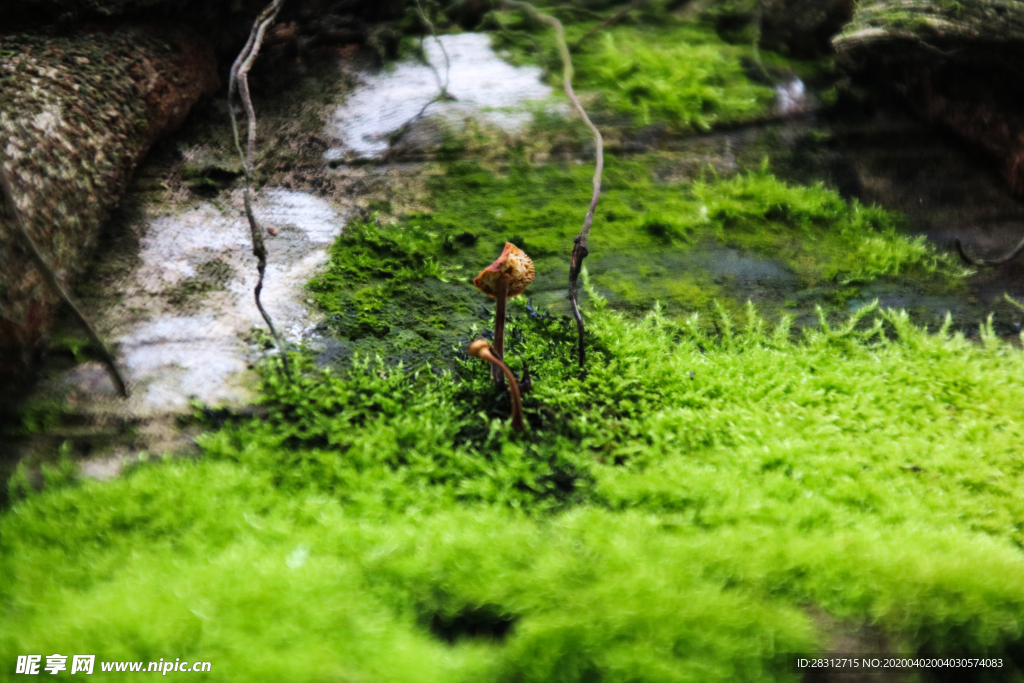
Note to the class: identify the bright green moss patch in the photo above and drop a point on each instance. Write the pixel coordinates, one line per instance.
(666, 70)
(681, 512)
(387, 292)
(683, 76)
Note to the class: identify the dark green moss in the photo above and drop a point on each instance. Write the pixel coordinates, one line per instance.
(386, 293)
(403, 289)
(210, 276)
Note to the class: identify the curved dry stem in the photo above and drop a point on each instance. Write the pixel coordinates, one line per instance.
(971, 260)
(500, 302)
(610, 21)
(579, 249)
(238, 84)
(479, 348)
(51, 278)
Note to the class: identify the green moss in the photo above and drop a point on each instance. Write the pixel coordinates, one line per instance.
(665, 70)
(210, 276)
(685, 245)
(388, 525)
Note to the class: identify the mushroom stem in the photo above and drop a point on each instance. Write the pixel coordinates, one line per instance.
(479, 348)
(499, 323)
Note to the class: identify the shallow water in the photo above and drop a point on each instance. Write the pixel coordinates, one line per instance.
(484, 86)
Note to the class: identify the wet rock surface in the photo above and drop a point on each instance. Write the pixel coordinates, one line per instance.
(956, 64)
(948, 190)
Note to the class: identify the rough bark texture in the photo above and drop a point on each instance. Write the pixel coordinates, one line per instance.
(979, 106)
(26, 14)
(908, 24)
(959, 64)
(76, 115)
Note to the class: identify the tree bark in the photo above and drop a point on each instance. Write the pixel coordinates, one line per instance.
(76, 116)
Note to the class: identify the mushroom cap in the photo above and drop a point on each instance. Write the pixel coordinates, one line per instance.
(477, 347)
(515, 263)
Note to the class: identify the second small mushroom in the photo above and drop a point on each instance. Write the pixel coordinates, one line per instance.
(507, 277)
(479, 348)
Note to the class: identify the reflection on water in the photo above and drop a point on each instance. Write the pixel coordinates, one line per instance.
(484, 86)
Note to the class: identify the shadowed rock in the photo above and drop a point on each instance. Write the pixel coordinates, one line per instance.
(958, 64)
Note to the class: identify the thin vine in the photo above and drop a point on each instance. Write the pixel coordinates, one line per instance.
(443, 95)
(579, 250)
(7, 189)
(238, 85)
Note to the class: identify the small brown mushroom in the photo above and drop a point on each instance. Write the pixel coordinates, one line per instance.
(479, 348)
(508, 276)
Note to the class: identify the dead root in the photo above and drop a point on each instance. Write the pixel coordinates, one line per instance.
(974, 261)
(238, 85)
(579, 249)
(51, 278)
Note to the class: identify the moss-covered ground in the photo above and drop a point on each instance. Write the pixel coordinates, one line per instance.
(399, 285)
(664, 70)
(713, 492)
(688, 509)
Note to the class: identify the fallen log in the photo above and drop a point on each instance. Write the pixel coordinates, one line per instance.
(77, 113)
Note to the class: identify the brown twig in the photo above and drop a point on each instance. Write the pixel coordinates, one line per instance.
(579, 250)
(971, 260)
(51, 278)
(442, 95)
(610, 21)
(239, 85)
